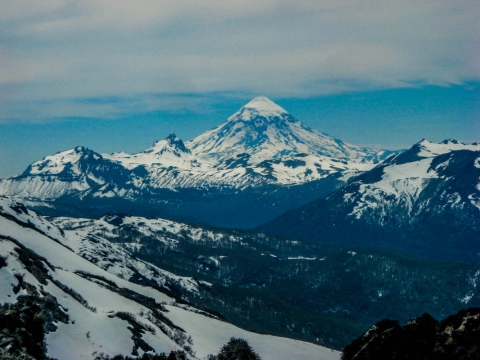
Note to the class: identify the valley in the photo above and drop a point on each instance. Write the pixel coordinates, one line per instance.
(322, 293)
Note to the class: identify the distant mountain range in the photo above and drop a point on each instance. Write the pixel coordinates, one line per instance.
(261, 149)
(425, 201)
(262, 163)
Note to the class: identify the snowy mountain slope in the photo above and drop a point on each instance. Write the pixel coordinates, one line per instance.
(166, 231)
(90, 310)
(426, 195)
(408, 177)
(106, 255)
(66, 173)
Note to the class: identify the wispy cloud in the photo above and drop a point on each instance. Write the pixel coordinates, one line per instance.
(53, 52)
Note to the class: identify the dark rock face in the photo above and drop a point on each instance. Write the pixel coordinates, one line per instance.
(456, 337)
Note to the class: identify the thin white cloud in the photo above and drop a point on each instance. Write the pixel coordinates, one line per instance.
(53, 51)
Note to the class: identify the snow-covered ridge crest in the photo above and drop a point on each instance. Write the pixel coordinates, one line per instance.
(402, 181)
(55, 164)
(430, 149)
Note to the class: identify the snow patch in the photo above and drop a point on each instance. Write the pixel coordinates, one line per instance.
(303, 258)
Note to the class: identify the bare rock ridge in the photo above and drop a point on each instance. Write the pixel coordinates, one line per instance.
(456, 337)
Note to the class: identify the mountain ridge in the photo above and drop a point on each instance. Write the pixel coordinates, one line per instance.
(426, 195)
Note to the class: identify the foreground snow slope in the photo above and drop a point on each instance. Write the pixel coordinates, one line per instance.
(95, 311)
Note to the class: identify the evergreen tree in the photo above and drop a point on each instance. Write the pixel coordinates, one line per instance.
(237, 349)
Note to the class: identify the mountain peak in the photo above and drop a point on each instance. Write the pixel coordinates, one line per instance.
(266, 131)
(171, 137)
(264, 104)
(172, 144)
(260, 106)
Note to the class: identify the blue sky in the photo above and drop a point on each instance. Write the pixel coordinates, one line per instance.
(118, 75)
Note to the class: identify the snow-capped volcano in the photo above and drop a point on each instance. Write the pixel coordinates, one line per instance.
(260, 144)
(261, 106)
(265, 130)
